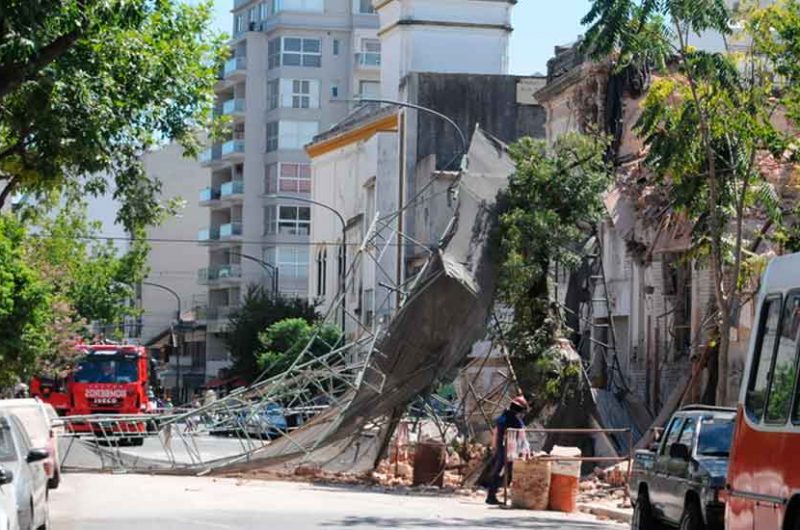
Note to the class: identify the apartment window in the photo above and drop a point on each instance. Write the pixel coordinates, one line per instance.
(296, 134)
(253, 15)
(288, 177)
(364, 6)
(322, 271)
(299, 93)
(273, 93)
(294, 178)
(294, 51)
(273, 142)
(369, 89)
(292, 261)
(287, 220)
(336, 46)
(335, 91)
(238, 24)
(298, 5)
(263, 10)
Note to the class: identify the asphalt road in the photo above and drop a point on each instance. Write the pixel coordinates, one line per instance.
(138, 502)
(75, 454)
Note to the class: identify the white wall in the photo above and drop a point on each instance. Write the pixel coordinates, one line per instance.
(452, 36)
(174, 265)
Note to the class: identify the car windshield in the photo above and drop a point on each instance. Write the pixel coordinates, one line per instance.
(715, 437)
(107, 370)
(7, 453)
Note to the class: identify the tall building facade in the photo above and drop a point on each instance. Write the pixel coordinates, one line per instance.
(294, 67)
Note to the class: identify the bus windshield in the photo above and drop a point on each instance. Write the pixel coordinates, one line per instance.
(107, 370)
(715, 438)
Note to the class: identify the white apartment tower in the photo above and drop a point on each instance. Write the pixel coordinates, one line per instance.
(293, 66)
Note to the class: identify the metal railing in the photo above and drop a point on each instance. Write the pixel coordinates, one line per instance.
(234, 187)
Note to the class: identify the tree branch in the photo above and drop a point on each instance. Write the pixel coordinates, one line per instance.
(10, 186)
(13, 75)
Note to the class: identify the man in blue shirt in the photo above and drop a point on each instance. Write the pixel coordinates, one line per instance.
(510, 419)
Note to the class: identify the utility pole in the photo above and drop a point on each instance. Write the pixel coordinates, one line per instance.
(268, 267)
(181, 342)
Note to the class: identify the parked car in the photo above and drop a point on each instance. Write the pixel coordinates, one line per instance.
(268, 422)
(27, 485)
(37, 417)
(8, 502)
(679, 480)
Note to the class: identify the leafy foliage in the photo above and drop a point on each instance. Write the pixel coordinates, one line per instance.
(286, 339)
(553, 200)
(707, 119)
(86, 86)
(24, 306)
(260, 310)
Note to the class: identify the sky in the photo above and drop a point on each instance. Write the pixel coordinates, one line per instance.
(539, 25)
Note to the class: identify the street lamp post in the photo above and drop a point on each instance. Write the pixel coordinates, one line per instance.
(271, 269)
(179, 379)
(342, 248)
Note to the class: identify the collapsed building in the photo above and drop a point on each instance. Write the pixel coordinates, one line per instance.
(640, 308)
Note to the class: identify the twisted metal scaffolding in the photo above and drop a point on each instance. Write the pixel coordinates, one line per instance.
(336, 410)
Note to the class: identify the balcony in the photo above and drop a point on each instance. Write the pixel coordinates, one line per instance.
(368, 60)
(235, 68)
(232, 149)
(230, 231)
(210, 156)
(233, 107)
(206, 235)
(219, 274)
(208, 195)
(231, 189)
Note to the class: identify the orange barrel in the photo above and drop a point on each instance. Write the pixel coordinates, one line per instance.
(530, 488)
(564, 480)
(430, 460)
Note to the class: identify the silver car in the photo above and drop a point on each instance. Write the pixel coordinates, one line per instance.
(24, 474)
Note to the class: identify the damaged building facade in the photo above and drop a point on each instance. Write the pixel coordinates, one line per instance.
(639, 307)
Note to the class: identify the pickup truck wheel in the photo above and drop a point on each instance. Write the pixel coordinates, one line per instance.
(643, 514)
(692, 519)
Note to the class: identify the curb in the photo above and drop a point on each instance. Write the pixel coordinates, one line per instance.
(615, 514)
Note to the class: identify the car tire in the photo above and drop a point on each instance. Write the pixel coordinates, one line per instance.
(53, 483)
(643, 518)
(692, 519)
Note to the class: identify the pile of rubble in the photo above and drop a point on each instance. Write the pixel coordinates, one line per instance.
(606, 486)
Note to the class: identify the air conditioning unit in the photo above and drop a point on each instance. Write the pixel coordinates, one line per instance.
(252, 26)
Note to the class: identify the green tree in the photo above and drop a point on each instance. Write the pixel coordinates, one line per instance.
(24, 306)
(260, 309)
(285, 340)
(86, 273)
(86, 86)
(553, 200)
(706, 119)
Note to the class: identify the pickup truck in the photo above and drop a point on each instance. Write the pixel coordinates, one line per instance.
(678, 480)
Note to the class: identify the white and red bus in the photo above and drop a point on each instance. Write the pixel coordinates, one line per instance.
(763, 490)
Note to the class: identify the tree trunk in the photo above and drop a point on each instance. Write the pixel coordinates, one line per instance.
(722, 365)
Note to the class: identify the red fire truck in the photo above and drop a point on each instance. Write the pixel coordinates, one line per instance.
(109, 379)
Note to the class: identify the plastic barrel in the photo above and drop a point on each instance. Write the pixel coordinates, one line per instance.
(564, 480)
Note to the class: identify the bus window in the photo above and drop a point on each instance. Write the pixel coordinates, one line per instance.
(762, 358)
(784, 372)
